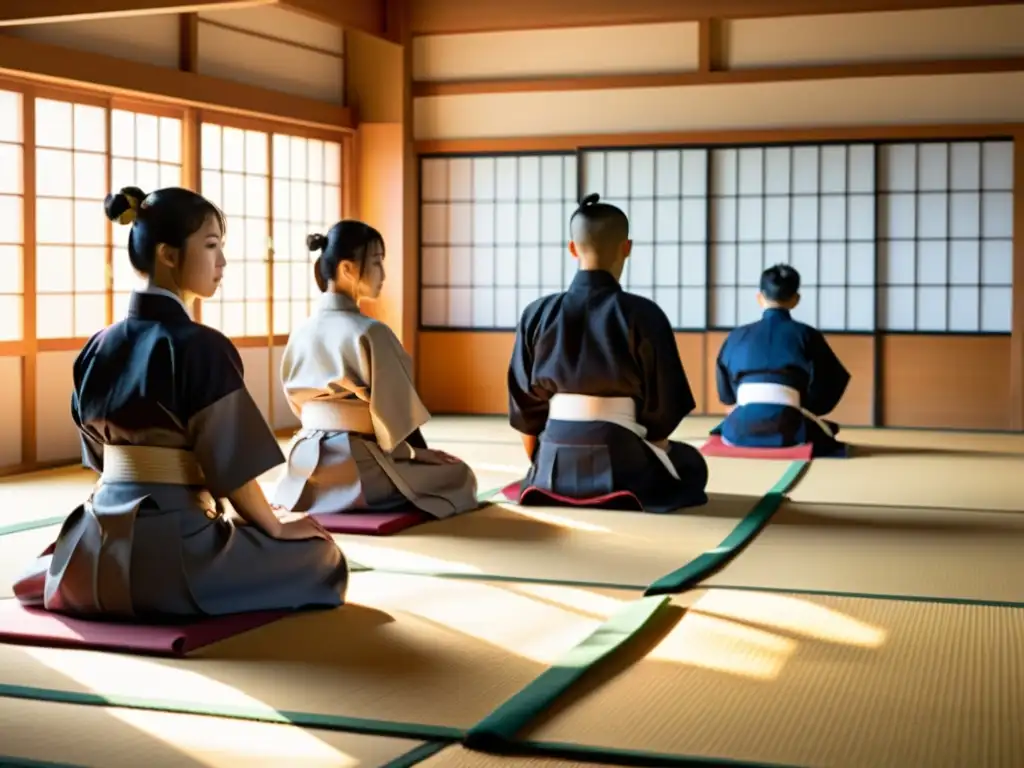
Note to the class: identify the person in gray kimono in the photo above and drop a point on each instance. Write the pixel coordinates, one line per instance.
(350, 382)
(166, 420)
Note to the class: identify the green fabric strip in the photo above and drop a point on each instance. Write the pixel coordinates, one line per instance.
(877, 596)
(417, 755)
(30, 525)
(630, 756)
(712, 561)
(488, 495)
(502, 725)
(303, 719)
(456, 575)
(24, 762)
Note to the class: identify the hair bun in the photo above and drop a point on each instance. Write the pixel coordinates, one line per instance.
(590, 199)
(316, 242)
(123, 207)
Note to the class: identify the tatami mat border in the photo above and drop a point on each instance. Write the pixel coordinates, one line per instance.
(417, 755)
(493, 733)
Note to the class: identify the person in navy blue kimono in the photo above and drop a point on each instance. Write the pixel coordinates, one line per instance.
(780, 376)
(167, 423)
(596, 385)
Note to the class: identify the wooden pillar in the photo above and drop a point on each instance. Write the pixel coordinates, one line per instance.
(378, 88)
(709, 45)
(1017, 332)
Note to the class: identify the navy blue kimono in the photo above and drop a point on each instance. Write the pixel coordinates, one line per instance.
(144, 546)
(596, 339)
(780, 350)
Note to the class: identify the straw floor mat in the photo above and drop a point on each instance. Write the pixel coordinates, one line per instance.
(799, 680)
(128, 738)
(934, 553)
(407, 649)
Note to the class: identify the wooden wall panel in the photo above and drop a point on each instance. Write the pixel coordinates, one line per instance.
(464, 371)
(715, 339)
(691, 352)
(10, 412)
(857, 352)
(57, 438)
(946, 382)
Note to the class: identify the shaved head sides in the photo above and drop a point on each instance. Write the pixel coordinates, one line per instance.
(599, 232)
(598, 225)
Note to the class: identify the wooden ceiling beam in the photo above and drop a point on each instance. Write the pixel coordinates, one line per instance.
(369, 16)
(23, 12)
(42, 62)
(711, 76)
(439, 17)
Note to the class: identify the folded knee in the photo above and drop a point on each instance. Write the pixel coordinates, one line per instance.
(30, 586)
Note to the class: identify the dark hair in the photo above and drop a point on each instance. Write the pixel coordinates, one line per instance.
(170, 216)
(780, 283)
(348, 240)
(599, 225)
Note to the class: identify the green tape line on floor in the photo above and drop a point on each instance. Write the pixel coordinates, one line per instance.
(181, 707)
(30, 525)
(712, 561)
(417, 755)
(502, 725)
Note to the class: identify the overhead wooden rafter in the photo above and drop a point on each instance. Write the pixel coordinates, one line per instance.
(363, 15)
(17, 13)
(709, 74)
(42, 62)
(440, 17)
(368, 16)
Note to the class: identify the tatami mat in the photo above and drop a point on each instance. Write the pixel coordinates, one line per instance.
(460, 757)
(17, 552)
(587, 545)
(812, 681)
(109, 737)
(974, 555)
(407, 649)
(917, 478)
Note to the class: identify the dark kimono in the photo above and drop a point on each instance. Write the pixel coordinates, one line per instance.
(165, 418)
(608, 346)
(797, 379)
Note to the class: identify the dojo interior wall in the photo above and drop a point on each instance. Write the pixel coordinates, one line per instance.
(278, 61)
(902, 99)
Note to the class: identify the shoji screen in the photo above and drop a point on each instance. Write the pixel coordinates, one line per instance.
(493, 236)
(809, 206)
(145, 152)
(236, 177)
(946, 237)
(72, 233)
(307, 199)
(664, 193)
(12, 217)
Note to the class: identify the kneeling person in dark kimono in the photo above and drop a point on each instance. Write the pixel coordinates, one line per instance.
(780, 375)
(596, 386)
(165, 418)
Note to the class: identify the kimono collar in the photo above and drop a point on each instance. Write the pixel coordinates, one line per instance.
(776, 313)
(594, 279)
(157, 304)
(338, 302)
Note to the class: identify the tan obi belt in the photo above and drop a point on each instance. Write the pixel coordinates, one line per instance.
(147, 464)
(337, 416)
